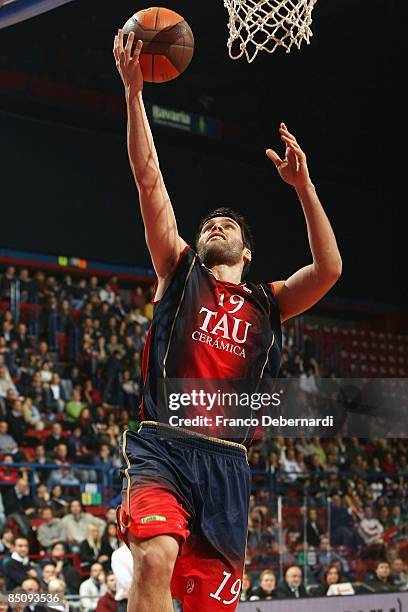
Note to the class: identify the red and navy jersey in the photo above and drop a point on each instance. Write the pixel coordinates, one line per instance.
(204, 328)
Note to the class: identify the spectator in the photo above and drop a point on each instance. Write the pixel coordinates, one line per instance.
(17, 425)
(90, 550)
(292, 587)
(382, 581)
(19, 567)
(313, 531)
(93, 588)
(107, 602)
(399, 574)
(64, 568)
(54, 394)
(290, 466)
(75, 524)
(107, 295)
(109, 543)
(246, 589)
(342, 525)
(49, 572)
(370, 529)
(327, 556)
(105, 463)
(267, 585)
(57, 587)
(122, 567)
(54, 438)
(331, 576)
(17, 501)
(7, 541)
(74, 406)
(59, 505)
(49, 532)
(32, 415)
(7, 442)
(41, 474)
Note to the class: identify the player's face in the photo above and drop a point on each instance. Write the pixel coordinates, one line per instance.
(221, 242)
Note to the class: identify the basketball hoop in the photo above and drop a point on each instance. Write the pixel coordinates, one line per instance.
(265, 25)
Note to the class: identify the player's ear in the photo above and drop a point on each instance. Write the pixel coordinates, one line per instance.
(247, 255)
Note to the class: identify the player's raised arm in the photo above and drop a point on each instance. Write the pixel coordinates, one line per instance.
(163, 240)
(309, 284)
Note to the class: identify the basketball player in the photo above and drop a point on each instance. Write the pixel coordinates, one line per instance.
(185, 505)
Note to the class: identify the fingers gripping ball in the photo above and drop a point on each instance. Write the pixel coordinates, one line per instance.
(168, 43)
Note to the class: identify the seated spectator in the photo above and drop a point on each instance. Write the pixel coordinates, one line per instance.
(267, 585)
(48, 572)
(370, 529)
(104, 462)
(246, 589)
(6, 383)
(54, 394)
(40, 458)
(57, 587)
(109, 542)
(382, 582)
(49, 532)
(313, 531)
(17, 425)
(106, 294)
(90, 550)
(91, 394)
(64, 475)
(59, 505)
(54, 438)
(289, 466)
(7, 442)
(9, 474)
(92, 589)
(107, 602)
(292, 586)
(399, 574)
(74, 406)
(18, 502)
(64, 568)
(331, 576)
(7, 541)
(18, 568)
(327, 556)
(42, 498)
(75, 524)
(32, 415)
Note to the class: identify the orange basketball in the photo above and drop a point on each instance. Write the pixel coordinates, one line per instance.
(168, 43)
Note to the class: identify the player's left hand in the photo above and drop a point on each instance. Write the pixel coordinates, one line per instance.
(293, 169)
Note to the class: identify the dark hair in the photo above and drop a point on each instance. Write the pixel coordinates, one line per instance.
(380, 562)
(247, 237)
(328, 569)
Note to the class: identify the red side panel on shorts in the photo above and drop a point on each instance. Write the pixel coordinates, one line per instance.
(155, 511)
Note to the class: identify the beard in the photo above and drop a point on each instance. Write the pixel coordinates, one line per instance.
(220, 252)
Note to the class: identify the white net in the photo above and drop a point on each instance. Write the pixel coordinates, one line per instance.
(265, 25)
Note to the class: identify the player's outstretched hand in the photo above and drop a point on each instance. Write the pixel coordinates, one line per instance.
(128, 65)
(293, 169)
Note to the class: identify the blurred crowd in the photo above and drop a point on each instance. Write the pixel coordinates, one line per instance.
(70, 375)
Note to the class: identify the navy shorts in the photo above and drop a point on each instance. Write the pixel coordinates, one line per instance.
(197, 489)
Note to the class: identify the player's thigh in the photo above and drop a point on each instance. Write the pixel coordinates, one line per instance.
(204, 580)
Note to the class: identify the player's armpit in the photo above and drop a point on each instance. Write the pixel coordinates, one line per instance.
(302, 290)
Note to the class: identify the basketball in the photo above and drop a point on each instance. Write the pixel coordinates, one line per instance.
(168, 43)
